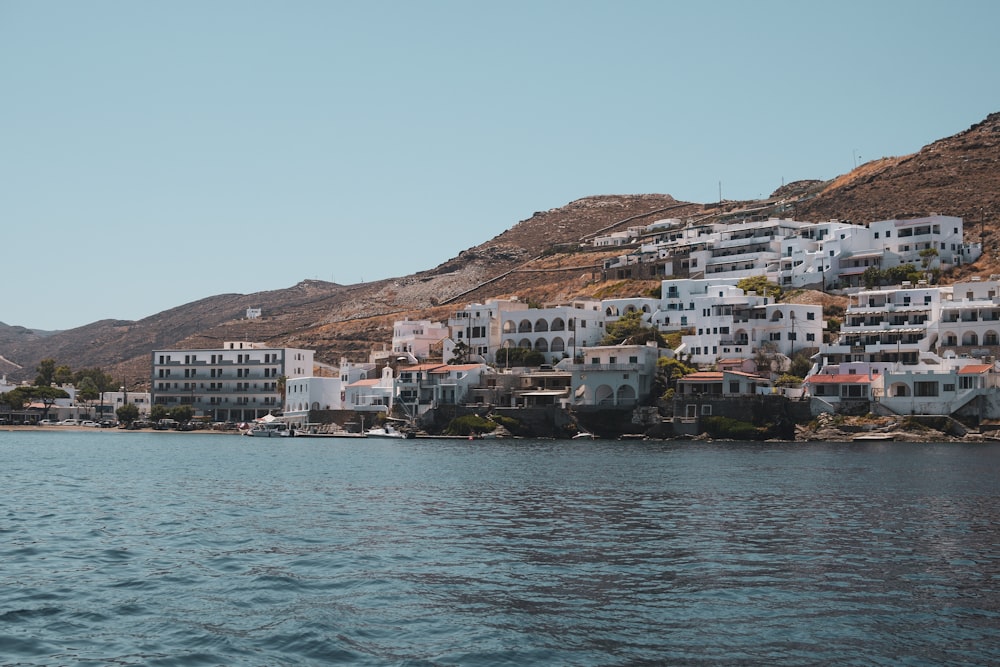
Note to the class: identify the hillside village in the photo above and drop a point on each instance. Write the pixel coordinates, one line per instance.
(907, 350)
(886, 275)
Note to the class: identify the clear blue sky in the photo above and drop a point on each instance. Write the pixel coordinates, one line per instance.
(155, 153)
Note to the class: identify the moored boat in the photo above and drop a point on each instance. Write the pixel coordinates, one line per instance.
(386, 431)
(273, 429)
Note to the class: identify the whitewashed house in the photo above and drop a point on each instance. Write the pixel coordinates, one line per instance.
(311, 393)
(556, 332)
(418, 337)
(612, 375)
(371, 395)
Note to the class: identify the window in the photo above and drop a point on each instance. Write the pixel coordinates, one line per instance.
(810, 316)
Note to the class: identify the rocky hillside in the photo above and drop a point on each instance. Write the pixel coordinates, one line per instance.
(338, 320)
(539, 258)
(959, 176)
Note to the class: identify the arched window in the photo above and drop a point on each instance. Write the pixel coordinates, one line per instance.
(509, 326)
(604, 395)
(626, 394)
(541, 345)
(970, 338)
(541, 325)
(525, 343)
(558, 324)
(524, 327)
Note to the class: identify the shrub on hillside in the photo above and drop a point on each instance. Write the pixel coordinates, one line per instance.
(469, 425)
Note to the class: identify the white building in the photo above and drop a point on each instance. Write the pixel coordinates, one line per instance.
(238, 382)
(926, 349)
(311, 393)
(478, 326)
(556, 332)
(727, 323)
(613, 375)
(418, 337)
(371, 395)
(745, 250)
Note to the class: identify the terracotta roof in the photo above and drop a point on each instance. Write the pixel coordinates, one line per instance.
(419, 367)
(975, 368)
(364, 383)
(702, 376)
(455, 367)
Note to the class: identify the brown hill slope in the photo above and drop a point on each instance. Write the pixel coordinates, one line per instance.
(341, 320)
(959, 175)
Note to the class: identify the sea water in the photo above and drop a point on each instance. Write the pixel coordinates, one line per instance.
(126, 548)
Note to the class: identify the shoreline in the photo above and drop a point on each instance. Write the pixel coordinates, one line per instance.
(828, 435)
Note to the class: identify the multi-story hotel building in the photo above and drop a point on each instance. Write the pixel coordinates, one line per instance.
(239, 382)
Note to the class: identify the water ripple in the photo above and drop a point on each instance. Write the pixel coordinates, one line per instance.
(185, 550)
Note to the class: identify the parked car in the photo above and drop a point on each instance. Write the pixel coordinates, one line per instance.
(89, 422)
(69, 422)
(47, 422)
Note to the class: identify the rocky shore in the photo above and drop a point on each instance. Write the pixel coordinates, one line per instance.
(836, 428)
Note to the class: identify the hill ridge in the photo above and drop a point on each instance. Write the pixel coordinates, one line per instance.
(957, 175)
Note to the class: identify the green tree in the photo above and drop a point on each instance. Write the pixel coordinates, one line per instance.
(15, 398)
(158, 412)
(86, 389)
(281, 384)
(871, 277)
(668, 372)
(46, 373)
(182, 413)
(801, 365)
(519, 356)
(63, 375)
(46, 396)
(630, 329)
(101, 380)
(460, 354)
(127, 413)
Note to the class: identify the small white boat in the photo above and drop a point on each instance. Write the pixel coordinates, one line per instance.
(270, 430)
(874, 436)
(386, 431)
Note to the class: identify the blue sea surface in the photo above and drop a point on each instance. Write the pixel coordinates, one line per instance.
(130, 548)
